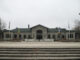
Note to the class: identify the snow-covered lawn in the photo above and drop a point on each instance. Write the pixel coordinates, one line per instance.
(40, 44)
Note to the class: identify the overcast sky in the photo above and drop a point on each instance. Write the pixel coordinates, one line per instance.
(50, 13)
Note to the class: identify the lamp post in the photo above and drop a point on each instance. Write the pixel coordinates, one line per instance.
(69, 31)
(9, 31)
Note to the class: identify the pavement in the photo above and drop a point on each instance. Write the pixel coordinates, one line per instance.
(40, 44)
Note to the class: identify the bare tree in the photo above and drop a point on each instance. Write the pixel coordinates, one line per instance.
(77, 28)
(77, 25)
(2, 26)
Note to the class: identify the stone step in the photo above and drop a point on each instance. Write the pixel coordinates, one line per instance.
(39, 55)
(36, 49)
(40, 52)
(39, 58)
(40, 49)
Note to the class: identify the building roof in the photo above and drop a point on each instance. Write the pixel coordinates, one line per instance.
(38, 25)
(57, 30)
(26, 30)
(21, 30)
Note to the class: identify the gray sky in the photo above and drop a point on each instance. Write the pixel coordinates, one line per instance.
(50, 13)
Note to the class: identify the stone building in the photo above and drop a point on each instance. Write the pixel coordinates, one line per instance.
(39, 32)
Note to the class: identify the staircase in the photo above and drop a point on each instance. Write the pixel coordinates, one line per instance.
(39, 53)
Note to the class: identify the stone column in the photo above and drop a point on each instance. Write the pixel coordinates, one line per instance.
(11, 36)
(22, 36)
(67, 36)
(4, 36)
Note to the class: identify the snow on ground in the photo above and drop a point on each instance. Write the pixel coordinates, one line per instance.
(40, 44)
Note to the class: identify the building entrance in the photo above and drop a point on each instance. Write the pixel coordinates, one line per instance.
(39, 34)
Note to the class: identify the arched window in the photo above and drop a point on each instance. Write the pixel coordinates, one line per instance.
(39, 31)
(19, 36)
(15, 36)
(24, 36)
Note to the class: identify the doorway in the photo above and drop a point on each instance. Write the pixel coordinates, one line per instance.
(39, 34)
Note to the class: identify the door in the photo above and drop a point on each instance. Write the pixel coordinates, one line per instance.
(39, 34)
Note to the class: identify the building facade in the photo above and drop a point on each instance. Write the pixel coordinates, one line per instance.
(39, 32)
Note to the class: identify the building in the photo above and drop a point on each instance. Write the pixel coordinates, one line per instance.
(39, 32)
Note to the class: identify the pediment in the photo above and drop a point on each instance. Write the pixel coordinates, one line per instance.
(39, 26)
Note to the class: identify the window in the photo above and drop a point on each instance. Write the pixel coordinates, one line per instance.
(8, 35)
(19, 36)
(15, 35)
(29, 36)
(39, 31)
(49, 36)
(63, 36)
(70, 35)
(59, 36)
(24, 36)
(53, 36)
